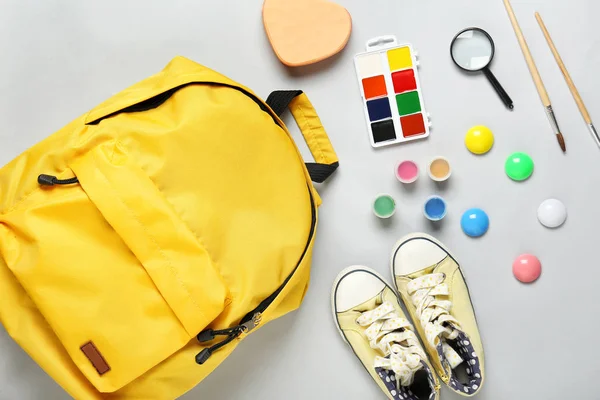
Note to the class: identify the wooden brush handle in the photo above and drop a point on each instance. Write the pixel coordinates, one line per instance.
(561, 64)
(537, 79)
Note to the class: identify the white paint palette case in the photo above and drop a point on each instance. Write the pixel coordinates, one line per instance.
(391, 92)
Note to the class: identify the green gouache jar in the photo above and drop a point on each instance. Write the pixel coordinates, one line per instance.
(384, 206)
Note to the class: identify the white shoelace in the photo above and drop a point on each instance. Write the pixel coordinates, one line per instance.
(435, 314)
(401, 348)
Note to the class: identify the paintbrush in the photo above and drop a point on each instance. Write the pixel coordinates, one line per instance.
(537, 79)
(570, 83)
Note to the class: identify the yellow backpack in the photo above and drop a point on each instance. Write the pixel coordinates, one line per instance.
(143, 241)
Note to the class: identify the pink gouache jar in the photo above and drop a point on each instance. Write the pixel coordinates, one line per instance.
(407, 171)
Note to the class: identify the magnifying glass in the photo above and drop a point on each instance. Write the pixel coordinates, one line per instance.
(473, 50)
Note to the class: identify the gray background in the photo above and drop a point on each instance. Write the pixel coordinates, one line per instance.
(60, 58)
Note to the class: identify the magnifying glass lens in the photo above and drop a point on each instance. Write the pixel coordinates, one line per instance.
(472, 50)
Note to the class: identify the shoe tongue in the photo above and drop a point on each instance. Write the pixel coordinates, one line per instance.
(451, 355)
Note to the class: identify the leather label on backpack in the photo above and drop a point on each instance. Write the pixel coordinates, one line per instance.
(92, 353)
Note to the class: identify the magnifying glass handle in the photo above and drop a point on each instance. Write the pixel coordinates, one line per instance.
(499, 89)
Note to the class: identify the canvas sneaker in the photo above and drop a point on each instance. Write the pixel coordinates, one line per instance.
(433, 288)
(367, 313)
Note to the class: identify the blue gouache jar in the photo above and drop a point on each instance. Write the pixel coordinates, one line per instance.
(435, 208)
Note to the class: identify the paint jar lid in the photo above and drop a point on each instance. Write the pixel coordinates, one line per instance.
(527, 268)
(519, 166)
(439, 169)
(435, 208)
(407, 171)
(384, 206)
(552, 213)
(475, 222)
(479, 139)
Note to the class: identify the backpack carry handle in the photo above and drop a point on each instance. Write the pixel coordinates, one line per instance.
(312, 129)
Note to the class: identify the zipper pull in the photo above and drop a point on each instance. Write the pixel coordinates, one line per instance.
(231, 333)
(209, 334)
(205, 354)
(206, 336)
(51, 180)
(252, 323)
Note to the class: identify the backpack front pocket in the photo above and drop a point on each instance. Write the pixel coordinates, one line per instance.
(115, 271)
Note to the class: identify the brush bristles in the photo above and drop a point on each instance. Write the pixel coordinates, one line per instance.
(561, 142)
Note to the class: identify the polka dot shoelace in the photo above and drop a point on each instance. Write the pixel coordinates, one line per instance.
(434, 314)
(393, 336)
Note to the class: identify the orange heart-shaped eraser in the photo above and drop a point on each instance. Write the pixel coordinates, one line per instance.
(304, 32)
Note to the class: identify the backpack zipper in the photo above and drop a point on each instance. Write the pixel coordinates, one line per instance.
(249, 321)
(254, 317)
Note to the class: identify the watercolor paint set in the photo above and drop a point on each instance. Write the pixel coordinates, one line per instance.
(391, 92)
